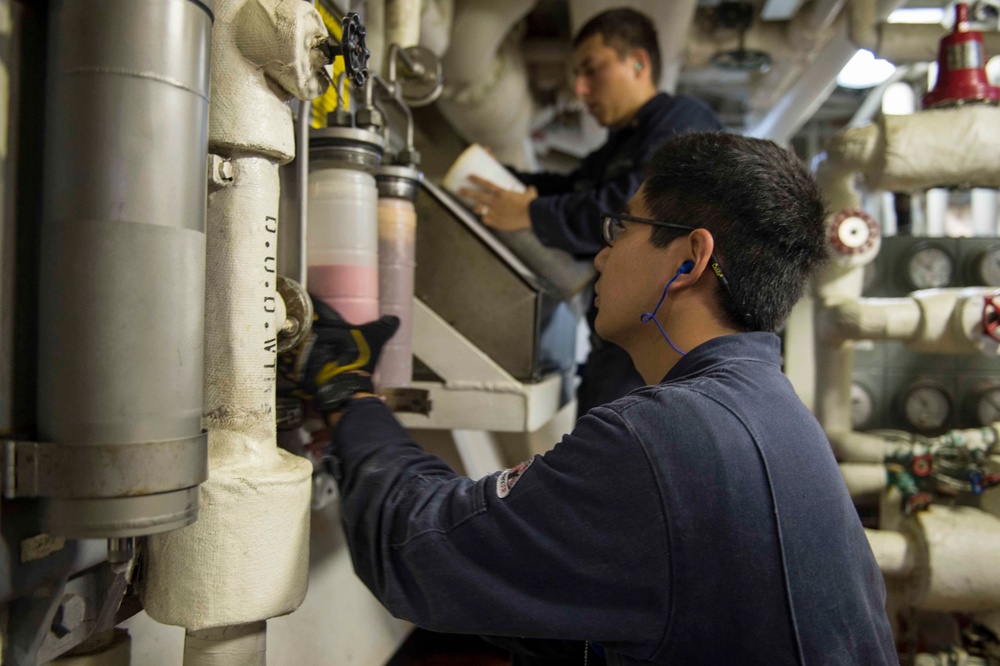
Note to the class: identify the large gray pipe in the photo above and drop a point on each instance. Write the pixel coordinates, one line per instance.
(123, 263)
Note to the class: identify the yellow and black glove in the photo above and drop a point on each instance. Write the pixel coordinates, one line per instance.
(336, 359)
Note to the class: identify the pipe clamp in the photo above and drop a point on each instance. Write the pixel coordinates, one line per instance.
(80, 470)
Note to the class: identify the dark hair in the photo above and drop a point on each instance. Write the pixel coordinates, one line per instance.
(624, 30)
(763, 208)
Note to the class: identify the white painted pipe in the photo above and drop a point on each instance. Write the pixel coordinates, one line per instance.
(850, 446)
(894, 551)
(244, 644)
(486, 96)
(956, 551)
(863, 479)
(984, 212)
(402, 22)
(246, 559)
(871, 319)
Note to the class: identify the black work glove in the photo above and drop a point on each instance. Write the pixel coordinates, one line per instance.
(336, 359)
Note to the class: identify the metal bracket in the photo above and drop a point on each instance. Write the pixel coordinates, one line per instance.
(73, 470)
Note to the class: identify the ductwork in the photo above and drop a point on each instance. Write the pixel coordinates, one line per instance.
(246, 559)
(486, 96)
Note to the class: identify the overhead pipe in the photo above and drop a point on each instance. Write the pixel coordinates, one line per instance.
(898, 153)
(246, 559)
(486, 96)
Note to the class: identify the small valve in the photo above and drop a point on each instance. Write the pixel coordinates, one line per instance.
(853, 232)
(991, 315)
(352, 47)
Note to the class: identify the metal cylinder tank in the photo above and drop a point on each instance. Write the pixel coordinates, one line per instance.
(397, 230)
(342, 236)
(123, 263)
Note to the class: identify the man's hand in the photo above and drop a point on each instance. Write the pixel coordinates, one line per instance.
(337, 359)
(499, 208)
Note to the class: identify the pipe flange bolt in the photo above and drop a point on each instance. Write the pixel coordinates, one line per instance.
(853, 232)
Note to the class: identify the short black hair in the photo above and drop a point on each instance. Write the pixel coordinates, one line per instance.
(624, 30)
(761, 205)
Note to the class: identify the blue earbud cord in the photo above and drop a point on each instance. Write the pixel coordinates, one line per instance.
(651, 316)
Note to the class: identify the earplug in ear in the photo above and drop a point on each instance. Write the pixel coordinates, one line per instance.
(686, 267)
(638, 66)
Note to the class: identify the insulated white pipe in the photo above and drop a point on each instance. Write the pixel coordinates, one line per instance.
(402, 22)
(894, 552)
(246, 559)
(956, 552)
(863, 478)
(486, 96)
(241, 644)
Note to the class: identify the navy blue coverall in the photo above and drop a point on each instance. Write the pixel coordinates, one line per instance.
(699, 521)
(566, 215)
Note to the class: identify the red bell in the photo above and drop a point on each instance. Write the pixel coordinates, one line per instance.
(961, 67)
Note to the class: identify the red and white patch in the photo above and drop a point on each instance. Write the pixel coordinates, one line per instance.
(509, 477)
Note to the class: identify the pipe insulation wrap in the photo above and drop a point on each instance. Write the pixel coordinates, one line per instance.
(246, 558)
(121, 292)
(261, 52)
(245, 645)
(397, 229)
(956, 559)
(937, 147)
(402, 22)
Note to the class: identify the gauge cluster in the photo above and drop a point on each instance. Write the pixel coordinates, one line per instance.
(926, 393)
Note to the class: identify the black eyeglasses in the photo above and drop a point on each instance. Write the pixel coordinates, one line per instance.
(612, 228)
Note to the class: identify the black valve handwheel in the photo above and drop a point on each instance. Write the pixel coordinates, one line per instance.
(354, 50)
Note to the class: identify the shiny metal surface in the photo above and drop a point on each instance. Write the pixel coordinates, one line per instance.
(123, 246)
(471, 280)
(398, 182)
(965, 55)
(349, 147)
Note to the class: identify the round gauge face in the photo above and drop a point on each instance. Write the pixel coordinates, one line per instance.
(988, 406)
(930, 267)
(862, 406)
(927, 407)
(988, 267)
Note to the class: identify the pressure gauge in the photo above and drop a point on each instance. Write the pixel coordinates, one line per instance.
(930, 267)
(988, 406)
(862, 406)
(988, 267)
(926, 407)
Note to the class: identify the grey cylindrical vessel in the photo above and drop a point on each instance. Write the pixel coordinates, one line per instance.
(123, 247)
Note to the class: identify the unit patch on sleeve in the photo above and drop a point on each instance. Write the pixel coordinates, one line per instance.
(509, 477)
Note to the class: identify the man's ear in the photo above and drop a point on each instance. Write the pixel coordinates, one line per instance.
(642, 62)
(700, 246)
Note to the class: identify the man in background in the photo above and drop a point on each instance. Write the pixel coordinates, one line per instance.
(617, 66)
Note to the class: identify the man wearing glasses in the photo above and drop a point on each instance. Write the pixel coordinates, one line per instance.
(702, 518)
(616, 68)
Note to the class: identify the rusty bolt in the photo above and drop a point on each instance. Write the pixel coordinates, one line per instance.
(70, 614)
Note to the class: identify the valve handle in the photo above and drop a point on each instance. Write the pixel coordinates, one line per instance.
(991, 315)
(351, 47)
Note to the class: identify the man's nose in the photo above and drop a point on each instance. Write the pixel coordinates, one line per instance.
(601, 258)
(580, 86)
